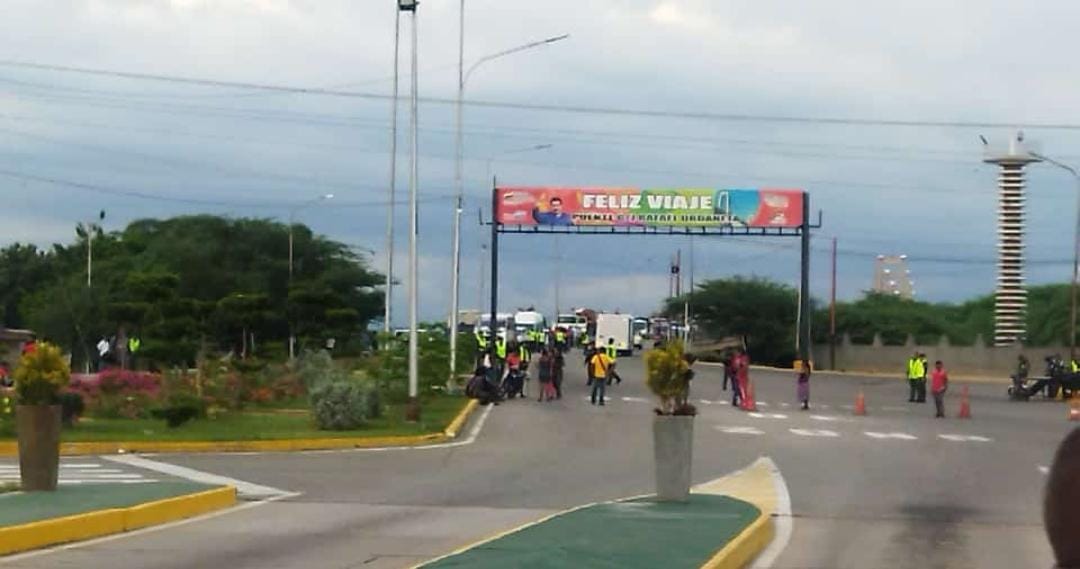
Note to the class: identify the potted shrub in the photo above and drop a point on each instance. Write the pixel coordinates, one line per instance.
(40, 375)
(668, 376)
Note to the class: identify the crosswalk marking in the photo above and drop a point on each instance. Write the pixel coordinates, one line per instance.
(828, 418)
(741, 430)
(814, 433)
(965, 438)
(901, 436)
(767, 415)
(635, 399)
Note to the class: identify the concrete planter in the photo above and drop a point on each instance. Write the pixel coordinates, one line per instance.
(673, 451)
(38, 428)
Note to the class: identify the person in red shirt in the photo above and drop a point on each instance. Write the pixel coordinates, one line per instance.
(939, 383)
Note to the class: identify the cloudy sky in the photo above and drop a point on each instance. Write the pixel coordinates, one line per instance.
(73, 143)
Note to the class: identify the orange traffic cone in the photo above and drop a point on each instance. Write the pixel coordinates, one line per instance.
(965, 405)
(1074, 409)
(860, 404)
(748, 403)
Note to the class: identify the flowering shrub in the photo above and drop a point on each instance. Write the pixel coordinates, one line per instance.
(41, 374)
(119, 394)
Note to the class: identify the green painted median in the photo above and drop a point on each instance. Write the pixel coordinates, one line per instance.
(634, 533)
(67, 500)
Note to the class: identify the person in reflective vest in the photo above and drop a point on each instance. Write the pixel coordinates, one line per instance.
(914, 376)
(481, 340)
(612, 352)
(560, 339)
(1075, 366)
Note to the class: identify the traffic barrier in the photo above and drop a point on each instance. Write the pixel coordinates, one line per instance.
(860, 404)
(1074, 409)
(965, 405)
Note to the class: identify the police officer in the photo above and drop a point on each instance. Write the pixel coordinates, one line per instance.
(612, 353)
(914, 376)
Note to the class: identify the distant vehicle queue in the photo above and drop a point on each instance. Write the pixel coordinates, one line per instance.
(504, 357)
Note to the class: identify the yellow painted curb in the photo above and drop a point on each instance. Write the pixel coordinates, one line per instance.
(752, 484)
(455, 426)
(111, 521)
(11, 448)
(739, 552)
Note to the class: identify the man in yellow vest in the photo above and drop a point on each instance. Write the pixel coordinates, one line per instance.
(915, 374)
(612, 352)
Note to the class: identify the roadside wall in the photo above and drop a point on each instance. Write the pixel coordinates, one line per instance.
(977, 359)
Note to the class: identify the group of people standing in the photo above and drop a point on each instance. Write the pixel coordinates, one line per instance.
(502, 368)
(918, 371)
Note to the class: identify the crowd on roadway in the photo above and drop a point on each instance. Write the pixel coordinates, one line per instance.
(503, 366)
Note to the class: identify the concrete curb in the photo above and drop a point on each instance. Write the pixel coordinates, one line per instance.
(874, 374)
(741, 550)
(100, 523)
(752, 484)
(11, 448)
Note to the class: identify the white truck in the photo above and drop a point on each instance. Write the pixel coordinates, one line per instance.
(640, 329)
(617, 327)
(526, 321)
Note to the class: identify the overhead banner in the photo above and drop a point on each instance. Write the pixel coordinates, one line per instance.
(621, 207)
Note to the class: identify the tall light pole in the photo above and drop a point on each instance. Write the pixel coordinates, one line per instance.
(388, 299)
(90, 227)
(412, 408)
(463, 78)
(292, 221)
(1076, 251)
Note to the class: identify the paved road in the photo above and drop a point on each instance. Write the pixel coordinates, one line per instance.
(895, 489)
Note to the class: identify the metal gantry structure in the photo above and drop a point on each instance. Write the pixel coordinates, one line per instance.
(802, 232)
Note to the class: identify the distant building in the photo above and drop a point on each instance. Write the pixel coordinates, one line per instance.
(892, 277)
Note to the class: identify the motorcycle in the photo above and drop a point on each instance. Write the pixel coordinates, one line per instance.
(1058, 378)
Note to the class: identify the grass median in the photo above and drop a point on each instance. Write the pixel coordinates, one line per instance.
(264, 424)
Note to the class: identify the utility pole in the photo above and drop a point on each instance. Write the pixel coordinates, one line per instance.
(389, 296)
(412, 408)
(832, 311)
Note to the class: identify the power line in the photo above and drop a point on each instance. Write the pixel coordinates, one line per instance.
(574, 109)
(129, 193)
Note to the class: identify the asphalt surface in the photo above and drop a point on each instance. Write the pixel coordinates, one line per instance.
(894, 489)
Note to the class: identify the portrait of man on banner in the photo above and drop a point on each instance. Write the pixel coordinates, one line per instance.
(555, 215)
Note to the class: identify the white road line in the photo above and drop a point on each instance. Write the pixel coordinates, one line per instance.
(704, 401)
(635, 399)
(829, 418)
(740, 430)
(782, 521)
(244, 489)
(473, 433)
(814, 433)
(1044, 469)
(785, 405)
(895, 408)
(965, 438)
(901, 436)
(767, 415)
(823, 406)
(762, 404)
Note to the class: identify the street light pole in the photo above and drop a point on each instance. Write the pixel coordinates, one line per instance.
(1076, 253)
(292, 222)
(388, 299)
(463, 78)
(412, 408)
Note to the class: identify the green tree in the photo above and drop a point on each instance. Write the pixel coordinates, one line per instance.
(761, 310)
